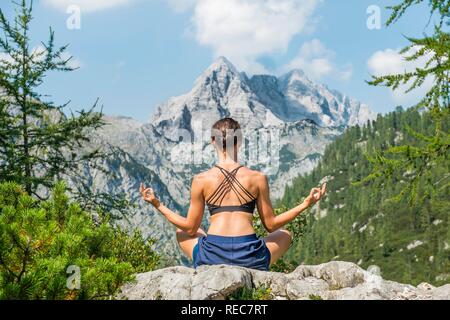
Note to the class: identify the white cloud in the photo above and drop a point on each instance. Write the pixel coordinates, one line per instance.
(390, 61)
(86, 5)
(346, 72)
(386, 62)
(5, 59)
(316, 60)
(244, 30)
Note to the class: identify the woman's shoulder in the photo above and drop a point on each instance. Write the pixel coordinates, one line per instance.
(205, 175)
(254, 176)
(251, 172)
(202, 175)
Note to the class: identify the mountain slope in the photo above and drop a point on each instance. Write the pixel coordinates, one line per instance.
(357, 223)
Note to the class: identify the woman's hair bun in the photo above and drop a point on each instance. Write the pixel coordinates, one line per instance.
(227, 131)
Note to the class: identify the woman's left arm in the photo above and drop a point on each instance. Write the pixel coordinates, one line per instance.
(192, 222)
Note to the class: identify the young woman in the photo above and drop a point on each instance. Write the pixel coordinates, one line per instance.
(231, 192)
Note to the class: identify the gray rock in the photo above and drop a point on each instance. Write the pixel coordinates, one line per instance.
(336, 273)
(300, 289)
(441, 293)
(217, 282)
(173, 283)
(335, 280)
(275, 281)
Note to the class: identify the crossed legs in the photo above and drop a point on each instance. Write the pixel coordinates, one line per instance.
(188, 242)
(277, 242)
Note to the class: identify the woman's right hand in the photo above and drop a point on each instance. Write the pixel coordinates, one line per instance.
(149, 195)
(315, 195)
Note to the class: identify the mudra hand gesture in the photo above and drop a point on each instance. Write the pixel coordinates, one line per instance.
(149, 196)
(315, 195)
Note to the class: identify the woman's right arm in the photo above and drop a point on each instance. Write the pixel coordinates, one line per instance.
(274, 222)
(191, 223)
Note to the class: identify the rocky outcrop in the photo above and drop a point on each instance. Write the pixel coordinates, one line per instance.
(330, 281)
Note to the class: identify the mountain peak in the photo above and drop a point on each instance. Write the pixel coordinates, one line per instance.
(261, 101)
(296, 75)
(218, 78)
(221, 64)
(224, 61)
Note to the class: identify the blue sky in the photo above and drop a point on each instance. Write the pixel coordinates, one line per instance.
(134, 54)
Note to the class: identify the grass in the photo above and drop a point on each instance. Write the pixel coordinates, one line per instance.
(260, 293)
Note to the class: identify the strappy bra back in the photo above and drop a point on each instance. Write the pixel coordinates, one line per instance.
(230, 183)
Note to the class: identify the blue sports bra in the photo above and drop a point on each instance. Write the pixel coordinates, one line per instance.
(230, 183)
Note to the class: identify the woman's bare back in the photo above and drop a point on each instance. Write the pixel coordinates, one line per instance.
(229, 223)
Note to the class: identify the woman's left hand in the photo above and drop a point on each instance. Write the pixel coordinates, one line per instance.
(315, 195)
(149, 196)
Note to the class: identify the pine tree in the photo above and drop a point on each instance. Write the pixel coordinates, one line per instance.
(40, 142)
(434, 149)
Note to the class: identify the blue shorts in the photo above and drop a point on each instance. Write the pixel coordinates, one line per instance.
(245, 251)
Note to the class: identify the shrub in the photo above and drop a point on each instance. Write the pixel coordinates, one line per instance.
(259, 293)
(40, 240)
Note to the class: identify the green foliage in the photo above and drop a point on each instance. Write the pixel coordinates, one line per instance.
(315, 297)
(442, 7)
(39, 240)
(359, 222)
(283, 265)
(39, 142)
(260, 293)
(418, 160)
(296, 227)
